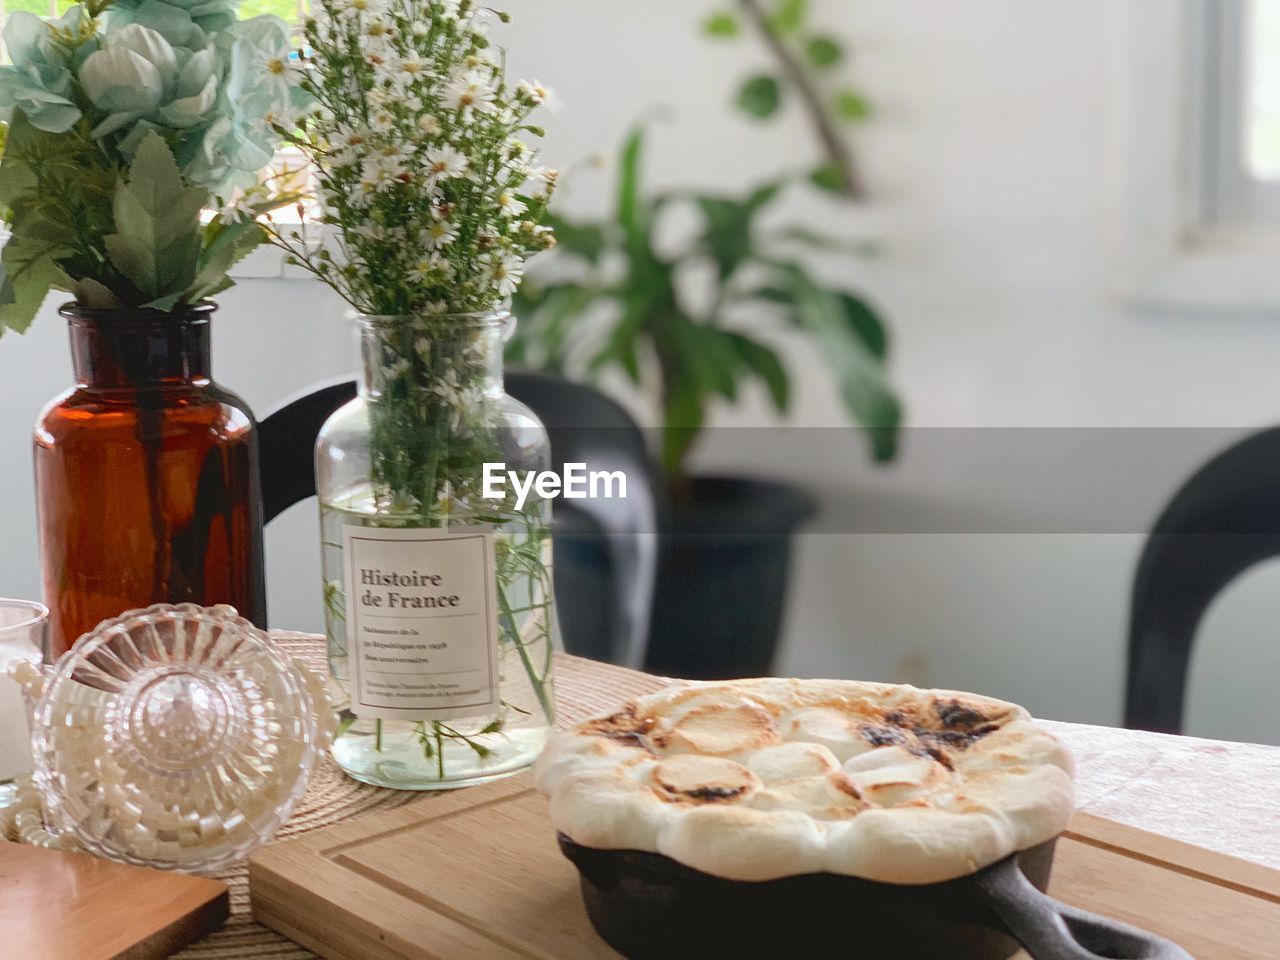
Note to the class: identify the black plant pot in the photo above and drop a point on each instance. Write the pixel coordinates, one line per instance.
(724, 558)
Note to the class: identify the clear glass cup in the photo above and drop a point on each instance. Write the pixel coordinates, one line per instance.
(24, 627)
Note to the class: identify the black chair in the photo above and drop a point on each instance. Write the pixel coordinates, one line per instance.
(605, 550)
(1222, 521)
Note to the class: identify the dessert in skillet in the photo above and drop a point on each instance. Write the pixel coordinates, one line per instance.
(755, 780)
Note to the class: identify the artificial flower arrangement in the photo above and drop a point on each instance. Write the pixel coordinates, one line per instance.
(430, 200)
(125, 120)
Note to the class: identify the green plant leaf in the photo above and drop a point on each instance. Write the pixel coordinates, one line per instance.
(635, 215)
(789, 15)
(548, 323)
(722, 24)
(760, 96)
(683, 416)
(225, 245)
(157, 241)
(852, 106)
(860, 371)
(727, 236)
(703, 356)
(824, 51)
(586, 240)
(764, 363)
(820, 241)
(94, 295)
(866, 324)
(28, 271)
(16, 176)
(828, 177)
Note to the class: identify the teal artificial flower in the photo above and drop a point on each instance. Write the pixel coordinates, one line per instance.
(211, 16)
(38, 81)
(259, 88)
(138, 75)
(171, 22)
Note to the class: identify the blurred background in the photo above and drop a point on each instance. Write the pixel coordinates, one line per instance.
(1064, 237)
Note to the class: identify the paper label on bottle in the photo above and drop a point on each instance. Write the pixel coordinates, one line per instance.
(422, 622)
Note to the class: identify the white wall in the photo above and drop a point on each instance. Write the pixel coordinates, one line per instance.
(992, 163)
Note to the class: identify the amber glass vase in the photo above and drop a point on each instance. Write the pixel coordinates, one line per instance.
(146, 475)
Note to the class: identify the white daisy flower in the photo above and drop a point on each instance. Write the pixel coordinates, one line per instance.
(429, 125)
(510, 204)
(236, 211)
(506, 274)
(430, 269)
(445, 161)
(411, 67)
(383, 171)
(470, 94)
(439, 233)
(355, 9)
(382, 121)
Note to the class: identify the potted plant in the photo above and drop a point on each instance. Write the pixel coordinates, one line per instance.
(724, 550)
(128, 124)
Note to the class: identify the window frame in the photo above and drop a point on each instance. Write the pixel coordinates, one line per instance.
(1191, 235)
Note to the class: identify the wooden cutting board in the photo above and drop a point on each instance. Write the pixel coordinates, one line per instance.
(71, 906)
(477, 874)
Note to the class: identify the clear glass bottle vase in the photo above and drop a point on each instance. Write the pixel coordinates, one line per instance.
(439, 606)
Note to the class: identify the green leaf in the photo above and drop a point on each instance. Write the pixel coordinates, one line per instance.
(586, 240)
(722, 25)
(157, 241)
(764, 363)
(866, 324)
(789, 15)
(28, 271)
(682, 416)
(225, 245)
(635, 215)
(727, 237)
(17, 179)
(843, 335)
(760, 96)
(820, 241)
(703, 356)
(824, 52)
(547, 327)
(828, 177)
(620, 344)
(94, 295)
(852, 106)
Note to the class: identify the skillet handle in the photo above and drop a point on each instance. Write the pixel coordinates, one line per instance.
(1054, 931)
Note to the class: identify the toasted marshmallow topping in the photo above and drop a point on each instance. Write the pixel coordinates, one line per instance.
(760, 779)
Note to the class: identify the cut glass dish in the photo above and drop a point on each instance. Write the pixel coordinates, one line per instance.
(176, 737)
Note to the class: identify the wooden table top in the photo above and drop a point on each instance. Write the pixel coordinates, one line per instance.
(1217, 795)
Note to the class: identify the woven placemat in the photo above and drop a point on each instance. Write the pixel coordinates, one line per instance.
(583, 688)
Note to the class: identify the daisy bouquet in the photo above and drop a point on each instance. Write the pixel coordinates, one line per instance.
(430, 191)
(431, 199)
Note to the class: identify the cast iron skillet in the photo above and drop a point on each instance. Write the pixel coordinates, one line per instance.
(649, 907)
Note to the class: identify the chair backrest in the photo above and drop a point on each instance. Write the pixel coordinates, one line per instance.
(605, 549)
(1223, 520)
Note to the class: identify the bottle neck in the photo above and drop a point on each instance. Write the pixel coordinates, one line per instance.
(448, 356)
(117, 349)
